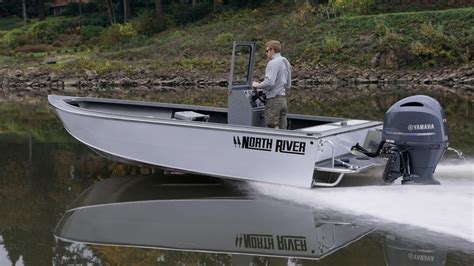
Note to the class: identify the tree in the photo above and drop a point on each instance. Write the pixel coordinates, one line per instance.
(126, 10)
(159, 14)
(80, 13)
(41, 14)
(216, 4)
(110, 11)
(24, 10)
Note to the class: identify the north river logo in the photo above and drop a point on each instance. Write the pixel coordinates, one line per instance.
(270, 145)
(417, 127)
(271, 242)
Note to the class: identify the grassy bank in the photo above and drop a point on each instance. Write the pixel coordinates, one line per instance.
(412, 40)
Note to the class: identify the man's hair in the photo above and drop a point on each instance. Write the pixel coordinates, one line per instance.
(275, 45)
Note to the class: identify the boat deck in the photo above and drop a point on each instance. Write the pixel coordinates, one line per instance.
(216, 115)
(348, 164)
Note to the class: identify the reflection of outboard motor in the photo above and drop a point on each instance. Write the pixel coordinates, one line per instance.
(415, 138)
(399, 251)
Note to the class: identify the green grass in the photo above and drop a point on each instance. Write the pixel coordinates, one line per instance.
(10, 23)
(307, 39)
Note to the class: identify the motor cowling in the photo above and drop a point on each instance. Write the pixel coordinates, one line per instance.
(415, 137)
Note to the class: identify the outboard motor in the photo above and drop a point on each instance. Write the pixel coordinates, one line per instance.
(414, 137)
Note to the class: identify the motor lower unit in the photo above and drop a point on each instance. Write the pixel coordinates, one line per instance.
(414, 138)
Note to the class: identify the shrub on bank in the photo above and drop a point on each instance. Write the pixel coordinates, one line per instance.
(33, 48)
(37, 32)
(331, 44)
(91, 33)
(145, 23)
(437, 47)
(17, 38)
(49, 30)
(118, 34)
(386, 38)
(52, 31)
(224, 39)
(136, 33)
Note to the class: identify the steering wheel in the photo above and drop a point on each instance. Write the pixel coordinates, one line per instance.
(258, 95)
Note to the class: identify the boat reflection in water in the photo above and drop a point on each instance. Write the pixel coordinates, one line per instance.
(212, 217)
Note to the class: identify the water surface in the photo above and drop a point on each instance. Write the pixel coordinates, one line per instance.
(148, 216)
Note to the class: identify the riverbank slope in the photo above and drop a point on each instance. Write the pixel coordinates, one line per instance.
(429, 47)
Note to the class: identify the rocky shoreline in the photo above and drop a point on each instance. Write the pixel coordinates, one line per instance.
(35, 81)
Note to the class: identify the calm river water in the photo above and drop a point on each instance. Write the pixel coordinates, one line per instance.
(62, 204)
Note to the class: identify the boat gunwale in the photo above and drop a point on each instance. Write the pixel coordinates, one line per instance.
(180, 106)
(72, 99)
(60, 102)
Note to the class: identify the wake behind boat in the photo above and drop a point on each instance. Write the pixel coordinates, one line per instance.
(233, 142)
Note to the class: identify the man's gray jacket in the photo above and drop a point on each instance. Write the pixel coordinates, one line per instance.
(277, 76)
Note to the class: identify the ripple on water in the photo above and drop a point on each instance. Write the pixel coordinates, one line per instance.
(447, 209)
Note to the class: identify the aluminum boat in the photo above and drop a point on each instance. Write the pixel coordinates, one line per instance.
(234, 143)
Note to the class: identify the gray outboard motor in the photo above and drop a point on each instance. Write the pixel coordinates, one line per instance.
(416, 128)
(414, 138)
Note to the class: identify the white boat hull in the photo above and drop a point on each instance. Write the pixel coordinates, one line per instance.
(242, 152)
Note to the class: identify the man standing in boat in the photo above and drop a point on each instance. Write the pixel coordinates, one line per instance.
(276, 83)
